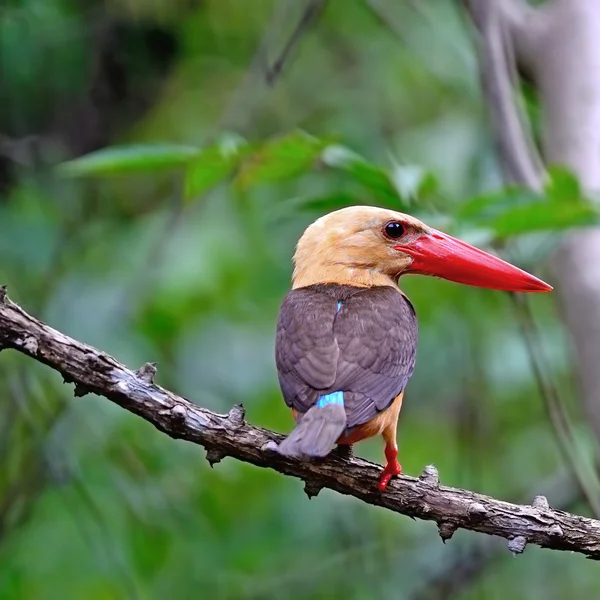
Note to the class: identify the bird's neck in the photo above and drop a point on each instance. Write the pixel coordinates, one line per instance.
(339, 273)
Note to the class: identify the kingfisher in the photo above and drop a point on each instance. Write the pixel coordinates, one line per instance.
(346, 340)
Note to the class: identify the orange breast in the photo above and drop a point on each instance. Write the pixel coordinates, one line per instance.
(386, 420)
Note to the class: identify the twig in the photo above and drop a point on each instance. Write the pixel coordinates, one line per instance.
(557, 414)
(229, 435)
(518, 155)
(310, 15)
(259, 68)
(260, 72)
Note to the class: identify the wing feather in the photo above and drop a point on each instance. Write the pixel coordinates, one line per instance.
(306, 351)
(366, 349)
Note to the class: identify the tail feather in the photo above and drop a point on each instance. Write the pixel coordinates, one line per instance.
(316, 433)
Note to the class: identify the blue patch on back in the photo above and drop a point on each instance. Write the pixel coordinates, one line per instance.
(333, 398)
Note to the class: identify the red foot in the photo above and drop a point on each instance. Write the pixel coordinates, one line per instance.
(392, 467)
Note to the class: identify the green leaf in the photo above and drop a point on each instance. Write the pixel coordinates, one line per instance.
(375, 179)
(544, 216)
(128, 159)
(562, 185)
(491, 205)
(515, 211)
(280, 158)
(213, 165)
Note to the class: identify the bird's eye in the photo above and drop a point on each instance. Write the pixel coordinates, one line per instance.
(394, 230)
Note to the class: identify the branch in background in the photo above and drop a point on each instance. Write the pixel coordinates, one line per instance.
(93, 371)
(502, 34)
(518, 156)
(95, 108)
(569, 90)
(244, 98)
(557, 413)
(311, 14)
(110, 101)
(136, 289)
(498, 23)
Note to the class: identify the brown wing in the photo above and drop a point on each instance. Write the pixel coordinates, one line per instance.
(366, 349)
(306, 351)
(376, 331)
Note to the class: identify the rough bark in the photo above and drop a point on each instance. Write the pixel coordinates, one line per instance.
(460, 571)
(93, 371)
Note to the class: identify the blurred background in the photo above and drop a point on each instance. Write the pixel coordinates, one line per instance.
(187, 266)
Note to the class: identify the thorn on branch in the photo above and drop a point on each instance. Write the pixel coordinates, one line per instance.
(446, 530)
(477, 511)
(214, 456)
(517, 545)
(147, 372)
(312, 488)
(556, 530)
(430, 476)
(178, 413)
(541, 503)
(30, 344)
(236, 415)
(270, 446)
(81, 390)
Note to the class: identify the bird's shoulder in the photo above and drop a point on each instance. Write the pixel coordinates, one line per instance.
(338, 308)
(334, 292)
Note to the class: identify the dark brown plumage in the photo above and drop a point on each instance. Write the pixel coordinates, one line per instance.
(365, 349)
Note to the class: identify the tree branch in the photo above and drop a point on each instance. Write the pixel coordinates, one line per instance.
(569, 84)
(451, 577)
(263, 74)
(93, 371)
(519, 159)
(311, 13)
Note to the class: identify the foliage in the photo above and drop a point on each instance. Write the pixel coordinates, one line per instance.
(506, 213)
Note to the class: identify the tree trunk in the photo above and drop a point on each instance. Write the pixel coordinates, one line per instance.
(562, 47)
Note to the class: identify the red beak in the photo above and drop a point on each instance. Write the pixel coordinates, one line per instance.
(441, 255)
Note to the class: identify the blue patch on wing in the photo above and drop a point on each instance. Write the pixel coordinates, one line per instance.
(339, 306)
(333, 398)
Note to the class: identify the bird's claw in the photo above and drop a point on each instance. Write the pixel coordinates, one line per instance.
(391, 469)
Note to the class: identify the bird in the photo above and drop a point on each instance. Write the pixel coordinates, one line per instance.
(346, 336)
